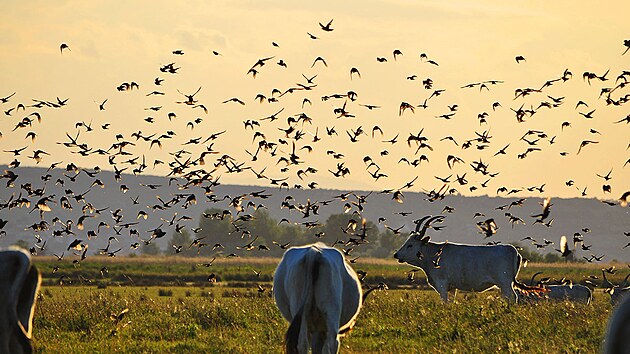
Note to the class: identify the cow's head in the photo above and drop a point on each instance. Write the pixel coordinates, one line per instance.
(411, 250)
(617, 292)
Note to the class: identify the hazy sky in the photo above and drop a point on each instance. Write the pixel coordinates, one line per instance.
(112, 42)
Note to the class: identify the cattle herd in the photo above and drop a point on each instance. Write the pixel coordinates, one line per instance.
(319, 293)
(315, 287)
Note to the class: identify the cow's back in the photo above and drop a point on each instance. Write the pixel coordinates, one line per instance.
(289, 280)
(350, 291)
(334, 275)
(476, 268)
(575, 292)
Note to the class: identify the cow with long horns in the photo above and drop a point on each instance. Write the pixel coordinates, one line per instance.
(451, 266)
(562, 292)
(617, 292)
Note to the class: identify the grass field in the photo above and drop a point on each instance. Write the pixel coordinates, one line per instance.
(221, 318)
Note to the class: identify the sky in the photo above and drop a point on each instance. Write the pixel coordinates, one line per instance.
(113, 42)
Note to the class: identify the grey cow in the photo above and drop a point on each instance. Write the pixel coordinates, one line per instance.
(19, 283)
(452, 266)
(319, 293)
(562, 292)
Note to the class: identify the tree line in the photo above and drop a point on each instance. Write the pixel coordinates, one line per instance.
(260, 235)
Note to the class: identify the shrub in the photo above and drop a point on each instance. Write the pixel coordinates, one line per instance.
(163, 292)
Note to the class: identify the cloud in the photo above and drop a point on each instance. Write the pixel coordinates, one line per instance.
(200, 39)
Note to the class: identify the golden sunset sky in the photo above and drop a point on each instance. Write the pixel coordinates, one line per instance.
(112, 42)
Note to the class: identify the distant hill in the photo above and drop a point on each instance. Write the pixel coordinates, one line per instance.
(607, 224)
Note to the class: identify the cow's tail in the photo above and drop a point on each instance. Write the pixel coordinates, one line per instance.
(527, 289)
(517, 263)
(292, 338)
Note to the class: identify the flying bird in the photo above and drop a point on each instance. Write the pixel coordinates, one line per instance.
(355, 71)
(62, 47)
(585, 143)
(327, 27)
(321, 60)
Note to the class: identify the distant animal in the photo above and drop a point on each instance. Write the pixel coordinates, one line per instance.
(573, 292)
(617, 337)
(564, 292)
(617, 292)
(318, 292)
(453, 266)
(19, 281)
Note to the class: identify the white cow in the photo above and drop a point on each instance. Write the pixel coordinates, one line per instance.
(617, 338)
(452, 266)
(319, 293)
(19, 283)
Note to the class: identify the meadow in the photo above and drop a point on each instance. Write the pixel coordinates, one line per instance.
(182, 312)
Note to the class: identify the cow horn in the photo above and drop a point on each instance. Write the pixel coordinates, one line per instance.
(427, 224)
(531, 282)
(607, 283)
(419, 222)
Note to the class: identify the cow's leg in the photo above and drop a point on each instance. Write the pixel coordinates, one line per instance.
(331, 341)
(507, 290)
(330, 330)
(303, 342)
(442, 289)
(317, 342)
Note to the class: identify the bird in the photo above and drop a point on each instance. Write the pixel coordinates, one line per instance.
(327, 27)
(519, 58)
(319, 59)
(588, 115)
(546, 204)
(396, 53)
(404, 106)
(6, 98)
(487, 227)
(101, 106)
(564, 247)
(62, 47)
(585, 143)
(234, 99)
(606, 177)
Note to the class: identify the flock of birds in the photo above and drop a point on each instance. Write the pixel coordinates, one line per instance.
(278, 155)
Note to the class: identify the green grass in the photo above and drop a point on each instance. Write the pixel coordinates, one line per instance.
(77, 320)
(231, 316)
